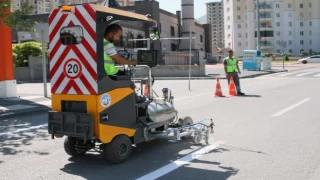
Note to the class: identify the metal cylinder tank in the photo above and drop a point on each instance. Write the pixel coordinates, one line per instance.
(160, 113)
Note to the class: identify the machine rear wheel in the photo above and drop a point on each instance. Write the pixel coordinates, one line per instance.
(70, 147)
(119, 149)
(187, 121)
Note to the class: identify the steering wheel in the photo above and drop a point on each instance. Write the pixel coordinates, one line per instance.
(124, 53)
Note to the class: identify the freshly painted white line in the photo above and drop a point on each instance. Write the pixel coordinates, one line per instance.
(23, 129)
(290, 108)
(299, 75)
(182, 161)
(15, 107)
(317, 75)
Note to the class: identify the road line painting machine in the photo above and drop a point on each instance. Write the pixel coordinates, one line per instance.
(95, 111)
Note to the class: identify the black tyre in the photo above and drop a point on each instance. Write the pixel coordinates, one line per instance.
(304, 62)
(70, 147)
(187, 121)
(118, 150)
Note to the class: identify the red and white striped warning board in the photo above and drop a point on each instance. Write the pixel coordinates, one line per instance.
(73, 58)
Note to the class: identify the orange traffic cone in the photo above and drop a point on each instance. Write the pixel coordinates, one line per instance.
(146, 90)
(218, 92)
(232, 88)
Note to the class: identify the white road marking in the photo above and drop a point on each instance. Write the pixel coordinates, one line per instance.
(15, 107)
(286, 74)
(290, 108)
(30, 97)
(180, 162)
(24, 129)
(304, 74)
(317, 75)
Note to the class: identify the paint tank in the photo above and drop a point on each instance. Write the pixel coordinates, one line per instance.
(161, 112)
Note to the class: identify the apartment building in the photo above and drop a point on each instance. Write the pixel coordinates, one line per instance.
(285, 25)
(45, 6)
(215, 18)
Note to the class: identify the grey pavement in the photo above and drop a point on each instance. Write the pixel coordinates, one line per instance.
(31, 96)
(272, 133)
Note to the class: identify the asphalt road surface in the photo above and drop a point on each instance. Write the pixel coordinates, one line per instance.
(272, 133)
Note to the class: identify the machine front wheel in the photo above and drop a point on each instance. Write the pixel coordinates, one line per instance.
(70, 147)
(119, 149)
(187, 121)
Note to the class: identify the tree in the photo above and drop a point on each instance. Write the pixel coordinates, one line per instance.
(17, 19)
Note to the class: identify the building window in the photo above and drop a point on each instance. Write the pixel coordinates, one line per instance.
(278, 24)
(172, 31)
(289, 5)
(239, 43)
(290, 33)
(278, 14)
(310, 23)
(290, 51)
(290, 42)
(310, 14)
(228, 26)
(310, 42)
(238, 8)
(278, 50)
(277, 5)
(239, 34)
(301, 5)
(301, 14)
(201, 38)
(239, 26)
(301, 24)
(310, 5)
(290, 14)
(310, 33)
(301, 33)
(301, 42)
(290, 24)
(278, 33)
(239, 17)
(278, 42)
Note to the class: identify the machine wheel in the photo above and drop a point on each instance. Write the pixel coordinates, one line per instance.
(185, 122)
(197, 138)
(304, 62)
(69, 147)
(119, 149)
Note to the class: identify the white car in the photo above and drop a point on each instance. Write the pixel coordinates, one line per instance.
(311, 59)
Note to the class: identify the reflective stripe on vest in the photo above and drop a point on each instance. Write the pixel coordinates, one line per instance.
(231, 64)
(108, 62)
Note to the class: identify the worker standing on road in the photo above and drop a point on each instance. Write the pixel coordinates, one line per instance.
(232, 69)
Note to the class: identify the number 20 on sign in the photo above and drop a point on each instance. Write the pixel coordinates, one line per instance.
(72, 68)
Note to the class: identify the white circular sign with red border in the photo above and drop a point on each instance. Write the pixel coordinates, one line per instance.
(72, 68)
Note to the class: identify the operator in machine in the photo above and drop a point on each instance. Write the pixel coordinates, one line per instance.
(232, 69)
(112, 34)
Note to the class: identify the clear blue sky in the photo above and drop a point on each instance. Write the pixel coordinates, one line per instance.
(175, 5)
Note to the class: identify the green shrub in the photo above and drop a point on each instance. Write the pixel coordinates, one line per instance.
(22, 51)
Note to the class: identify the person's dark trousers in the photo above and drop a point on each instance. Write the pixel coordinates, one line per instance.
(121, 73)
(235, 79)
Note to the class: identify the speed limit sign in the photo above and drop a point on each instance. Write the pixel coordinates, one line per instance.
(72, 68)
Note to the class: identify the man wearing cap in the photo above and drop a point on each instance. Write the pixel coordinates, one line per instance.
(232, 69)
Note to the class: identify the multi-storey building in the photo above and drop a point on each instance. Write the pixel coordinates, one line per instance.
(285, 25)
(215, 17)
(45, 6)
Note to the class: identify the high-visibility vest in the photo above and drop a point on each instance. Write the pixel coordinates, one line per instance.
(108, 62)
(231, 64)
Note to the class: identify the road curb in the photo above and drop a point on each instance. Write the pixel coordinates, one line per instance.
(9, 114)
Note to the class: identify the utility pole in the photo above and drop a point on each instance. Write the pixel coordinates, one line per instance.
(258, 26)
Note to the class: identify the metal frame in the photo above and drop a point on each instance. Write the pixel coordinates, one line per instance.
(200, 130)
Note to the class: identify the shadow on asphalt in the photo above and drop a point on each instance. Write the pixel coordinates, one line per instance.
(15, 144)
(146, 158)
(250, 95)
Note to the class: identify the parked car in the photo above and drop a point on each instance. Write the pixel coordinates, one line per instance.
(311, 59)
